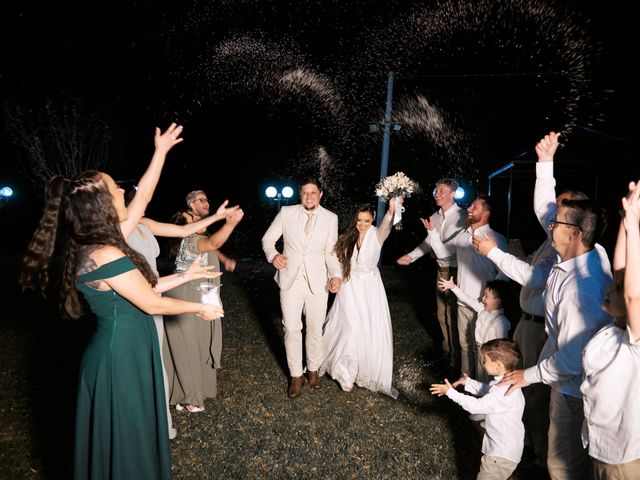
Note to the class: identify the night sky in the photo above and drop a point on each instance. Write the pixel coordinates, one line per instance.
(270, 90)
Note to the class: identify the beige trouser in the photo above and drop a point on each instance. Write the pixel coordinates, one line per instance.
(292, 302)
(466, 334)
(621, 471)
(446, 311)
(495, 468)
(567, 458)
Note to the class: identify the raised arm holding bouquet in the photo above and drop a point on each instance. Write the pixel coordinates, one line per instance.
(394, 187)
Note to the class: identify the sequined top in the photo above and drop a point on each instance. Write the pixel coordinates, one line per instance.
(189, 251)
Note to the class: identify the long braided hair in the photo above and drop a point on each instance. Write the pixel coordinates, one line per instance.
(347, 240)
(89, 220)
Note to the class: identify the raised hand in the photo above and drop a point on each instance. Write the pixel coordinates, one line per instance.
(171, 136)
(440, 389)
(223, 210)
(484, 244)
(461, 381)
(234, 216)
(631, 205)
(446, 284)
(195, 271)
(428, 224)
(392, 204)
(547, 146)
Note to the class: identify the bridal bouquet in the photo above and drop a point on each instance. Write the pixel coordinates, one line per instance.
(392, 188)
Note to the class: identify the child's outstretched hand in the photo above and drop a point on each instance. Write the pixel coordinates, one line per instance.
(440, 389)
(461, 381)
(446, 284)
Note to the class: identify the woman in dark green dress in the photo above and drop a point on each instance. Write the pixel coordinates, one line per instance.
(121, 422)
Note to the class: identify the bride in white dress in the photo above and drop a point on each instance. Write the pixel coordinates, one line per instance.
(357, 336)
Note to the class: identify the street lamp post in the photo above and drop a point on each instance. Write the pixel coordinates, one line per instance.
(279, 196)
(386, 141)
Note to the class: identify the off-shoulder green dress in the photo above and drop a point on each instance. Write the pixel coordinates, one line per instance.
(121, 421)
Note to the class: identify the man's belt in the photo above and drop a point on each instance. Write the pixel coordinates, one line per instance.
(532, 318)
(446, 269)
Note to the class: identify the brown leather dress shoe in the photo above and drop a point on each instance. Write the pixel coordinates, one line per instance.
(295, 388)
(314, 380)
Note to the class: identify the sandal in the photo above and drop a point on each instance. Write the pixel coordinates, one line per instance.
(189, 408)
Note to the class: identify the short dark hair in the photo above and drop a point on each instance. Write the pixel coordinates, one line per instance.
(590, 217)
(502, 350)
(486, 199)
(499, 287)
(449, 182)
(574, 194)
(310, 180)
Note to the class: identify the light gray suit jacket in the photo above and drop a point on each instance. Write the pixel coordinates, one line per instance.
(313, 254)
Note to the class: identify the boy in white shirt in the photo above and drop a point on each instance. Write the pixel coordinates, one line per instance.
(491, 321)
(503, 440)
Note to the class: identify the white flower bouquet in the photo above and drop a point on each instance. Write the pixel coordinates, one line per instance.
(392, 188)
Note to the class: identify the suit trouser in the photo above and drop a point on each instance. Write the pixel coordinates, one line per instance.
(567, 458)
(292, 301)
(530, 337)
(447, 313)
(466, 334)
(620, 471)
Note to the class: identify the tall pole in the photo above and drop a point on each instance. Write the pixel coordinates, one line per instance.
(384, 163)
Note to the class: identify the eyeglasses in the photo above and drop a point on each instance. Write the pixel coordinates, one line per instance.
(555, 221)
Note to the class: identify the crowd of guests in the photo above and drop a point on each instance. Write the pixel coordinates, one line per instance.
(564, 381)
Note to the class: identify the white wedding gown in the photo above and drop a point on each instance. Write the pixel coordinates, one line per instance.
(357, 335)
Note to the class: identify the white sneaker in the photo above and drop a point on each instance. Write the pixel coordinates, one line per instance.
(173, 433)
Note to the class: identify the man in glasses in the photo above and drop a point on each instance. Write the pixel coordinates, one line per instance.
(574, 291)
(532, 273)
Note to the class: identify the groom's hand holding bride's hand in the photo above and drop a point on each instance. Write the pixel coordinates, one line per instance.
(334, 284)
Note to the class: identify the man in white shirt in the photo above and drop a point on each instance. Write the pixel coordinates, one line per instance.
(449, 220)
(473, 270)
(532, 274)
(574, 292)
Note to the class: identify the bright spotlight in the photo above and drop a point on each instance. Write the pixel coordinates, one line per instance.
(287, 192)
(271, 192)
(6, 192)
(459, 193)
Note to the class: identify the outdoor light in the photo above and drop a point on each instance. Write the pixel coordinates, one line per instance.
(277, 196)
(271, 192)
(5, 193)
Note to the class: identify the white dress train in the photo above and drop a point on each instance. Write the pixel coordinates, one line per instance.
(357, 335)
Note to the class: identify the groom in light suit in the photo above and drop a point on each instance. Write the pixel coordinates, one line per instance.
(307, 270)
